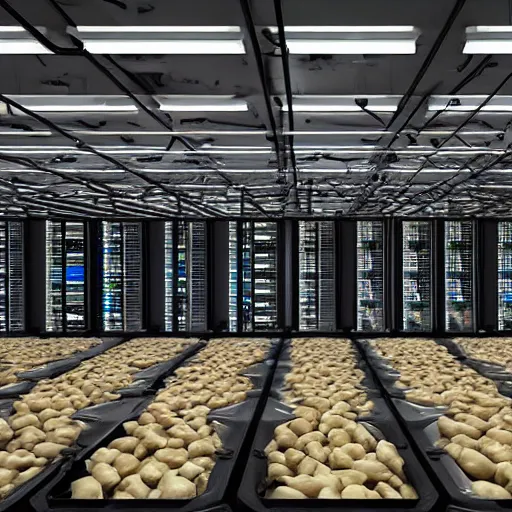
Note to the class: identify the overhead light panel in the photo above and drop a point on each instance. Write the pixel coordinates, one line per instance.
(160, 40)
(72, 104)
(350, 40)
(488, 40)
(17, 41)
(468, 103)
(344, 103)
(201, 103)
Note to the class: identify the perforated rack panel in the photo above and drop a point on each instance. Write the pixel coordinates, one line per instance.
(505, 275)
(417, 275)
(458, 275)
(370, 276)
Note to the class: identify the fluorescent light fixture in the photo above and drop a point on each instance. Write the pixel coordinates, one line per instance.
(467, 103)
(488, 40)
(17, 41)
(73, 104)
(350, 40)
(317, 103)
(160, 40)
(201, 103)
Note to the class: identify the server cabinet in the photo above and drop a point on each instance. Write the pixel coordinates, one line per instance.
(253, 276)
(185, 276)
(416, 275)
(65, 276)
(121, 276)
(458, 260)
(505, 276)
(370, 276)
(12, 311)
(317, 276)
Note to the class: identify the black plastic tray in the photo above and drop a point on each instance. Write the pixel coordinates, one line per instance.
(420, 424)
(382, 424)
(233, 424)
(101, 420)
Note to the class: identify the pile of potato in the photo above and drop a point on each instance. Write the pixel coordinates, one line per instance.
(22, 354)
(492, 350)
(41, 427)
(324, 452)
(476, 429)
(170, 451)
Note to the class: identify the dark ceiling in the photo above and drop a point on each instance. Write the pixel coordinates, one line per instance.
(255, 163)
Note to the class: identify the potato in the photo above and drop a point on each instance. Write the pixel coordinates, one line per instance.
(354, 450)
(152, 442)
(174, 458)
(490, 491)
(387, 492)
(300, 426)
(338, 437)
(200, 448)
(26, 475)
(308, 485)
(339, 459)
(465, 441)
(354, 492)
(307, 466)
(472, 462)
(122, 495)
(315, 450)
(184, 432)
(408, 492)
(126, 464)
(176, 487)
(388, 455)
(19, 462)
(7, 476)
(106, 475)
(86, 488)
(364, 438)
(134, 485)
(125, 444)
(503, 475)
(105, 455)
(6, 433)
(284, 493)
(189, 470)
(276, 471)
(130, 426)
(152, 473)
(48, 450)
(350, 477)
(25, 421)
(374, 470)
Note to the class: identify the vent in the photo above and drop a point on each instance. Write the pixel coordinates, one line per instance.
(197, 295)
(54, 276)
(505, 276)
(417, 275)
(132, 259)
(370, 276)
(15, 270)
(169, 276)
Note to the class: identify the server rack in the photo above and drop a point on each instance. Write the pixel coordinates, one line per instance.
(122, 276)
(505, 276)
(458, 252)
(317, 276)
(65, 276)
(12, 310)
(417, 256)
(370, 275)
(253, 276)
(185, 276)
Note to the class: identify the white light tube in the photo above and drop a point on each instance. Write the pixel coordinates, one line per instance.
(201, 103)
(16, 40)
(488, 40)
(160, 40)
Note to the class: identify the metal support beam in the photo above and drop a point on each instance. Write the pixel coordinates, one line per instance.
(438, 284)
(346, 248)
(35, 271)
(93, 276)
(486, 283)
(218, 289)
(154, 305)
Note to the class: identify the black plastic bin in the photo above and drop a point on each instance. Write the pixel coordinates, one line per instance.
(381, 423)
(233, 425)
